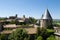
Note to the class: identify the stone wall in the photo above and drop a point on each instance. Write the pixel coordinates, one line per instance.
(57, 33)
(45, 23)
(57, 37)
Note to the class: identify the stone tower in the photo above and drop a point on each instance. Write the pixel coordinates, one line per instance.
(16, 15)
(46, 20)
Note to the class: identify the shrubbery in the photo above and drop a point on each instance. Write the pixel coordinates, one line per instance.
(56, 23)
(21, 34)
(51, 38)
(2, 37)
(39, 38)
(44, 33)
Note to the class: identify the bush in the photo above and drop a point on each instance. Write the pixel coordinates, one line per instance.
(8, 29)
(39, 38)
(26, 38)
(19, 34)
(2, 37)
(51, 38)
(50, 32)
(56, 23)
(45, 33)
(12, 22)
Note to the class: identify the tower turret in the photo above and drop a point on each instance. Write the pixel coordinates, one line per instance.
(46, 20)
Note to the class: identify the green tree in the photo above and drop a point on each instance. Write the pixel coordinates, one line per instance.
(23, 16)
(12, 22)
(2, 37)
(26, 38)
(38, 32)
(45, 33)
(19, 34)
(51, 38)
(32, 20)
(39, 38)
(56, 23)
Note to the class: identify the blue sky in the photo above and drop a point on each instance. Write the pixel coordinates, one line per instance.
(32, 8)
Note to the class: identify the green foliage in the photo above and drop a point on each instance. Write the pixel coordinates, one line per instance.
(50, 30)
(26, 38)
(45, 33)
(41, 32)
(2, 37)
(23, 16)
(8, 29)
(2, 18)
(32, 20)
(56, 23)
(51, 38)
(39, 38)
(19, 34)
(12, 22)
(21, 23)
(38, 31)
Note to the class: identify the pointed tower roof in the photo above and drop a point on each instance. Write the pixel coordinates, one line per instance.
(46, 15)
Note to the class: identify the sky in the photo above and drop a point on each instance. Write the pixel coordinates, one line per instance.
(29, 8)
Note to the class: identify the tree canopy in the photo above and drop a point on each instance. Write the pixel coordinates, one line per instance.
(19, 34)
(39, 38)
(51, 38)
(32, 20)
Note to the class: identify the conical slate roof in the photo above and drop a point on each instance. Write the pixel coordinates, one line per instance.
(46, 15)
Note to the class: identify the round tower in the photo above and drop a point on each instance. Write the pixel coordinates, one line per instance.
(46, 20)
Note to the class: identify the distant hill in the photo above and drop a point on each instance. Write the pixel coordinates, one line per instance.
(56, 19)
